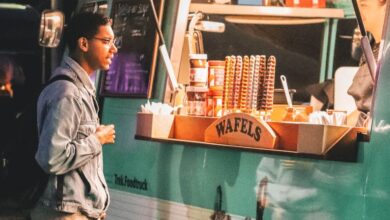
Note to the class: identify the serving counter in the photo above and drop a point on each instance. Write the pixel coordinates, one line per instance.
(245, 132)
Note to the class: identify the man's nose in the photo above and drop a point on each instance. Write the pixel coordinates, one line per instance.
(113, 48)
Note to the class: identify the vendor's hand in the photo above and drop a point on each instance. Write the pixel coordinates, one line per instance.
(105, 134)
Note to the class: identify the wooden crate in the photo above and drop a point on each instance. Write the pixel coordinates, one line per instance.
(248, 131)
(154, 126)
(309, 138)
(181, 127)
(191, 128)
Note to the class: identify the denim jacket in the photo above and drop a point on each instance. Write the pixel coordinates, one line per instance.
(68, 149)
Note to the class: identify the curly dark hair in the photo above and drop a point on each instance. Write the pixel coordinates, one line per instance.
(85, 24)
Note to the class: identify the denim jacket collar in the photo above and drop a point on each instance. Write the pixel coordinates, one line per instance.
(82, 75)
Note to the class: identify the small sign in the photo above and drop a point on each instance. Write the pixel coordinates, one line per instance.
(241, 129)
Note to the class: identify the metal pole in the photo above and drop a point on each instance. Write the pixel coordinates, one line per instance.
(156, 22)
(164, 52)
(365, 42)
(54, 53)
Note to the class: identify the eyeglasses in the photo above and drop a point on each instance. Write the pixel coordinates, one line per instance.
(107, 41)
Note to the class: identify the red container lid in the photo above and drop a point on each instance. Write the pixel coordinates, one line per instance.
(216, 92)
(216, 63)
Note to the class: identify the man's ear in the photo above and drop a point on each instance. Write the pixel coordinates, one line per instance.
(83, 44)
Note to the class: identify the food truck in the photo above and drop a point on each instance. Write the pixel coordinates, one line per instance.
(207, 130)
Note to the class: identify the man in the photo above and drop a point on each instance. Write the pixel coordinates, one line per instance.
(373, 14)
(70, 137)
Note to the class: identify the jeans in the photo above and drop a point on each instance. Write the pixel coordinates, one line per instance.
(40, 212)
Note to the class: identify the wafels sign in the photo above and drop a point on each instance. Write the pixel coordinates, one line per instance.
(241, 129)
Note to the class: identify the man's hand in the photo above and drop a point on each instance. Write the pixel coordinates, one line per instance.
(105, 134)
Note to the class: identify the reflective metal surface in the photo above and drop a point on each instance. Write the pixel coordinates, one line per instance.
(52, 24)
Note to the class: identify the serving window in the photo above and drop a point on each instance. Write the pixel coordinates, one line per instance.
(252, 109)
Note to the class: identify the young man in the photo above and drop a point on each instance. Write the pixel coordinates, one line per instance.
(70, 136)
(373, 14)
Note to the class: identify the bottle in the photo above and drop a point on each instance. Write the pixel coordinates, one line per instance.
(197, 100)
(198, 69)
(214, 103)
(216, 74)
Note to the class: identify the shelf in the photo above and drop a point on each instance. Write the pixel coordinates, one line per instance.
(267, 11)
(270, 20)
(245, 132)
(339, 153)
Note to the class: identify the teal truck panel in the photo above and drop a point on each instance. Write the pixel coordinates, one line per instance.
(295, 188)
(298, 188)
(377, 179)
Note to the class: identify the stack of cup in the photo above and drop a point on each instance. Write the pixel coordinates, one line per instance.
(216, 75)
